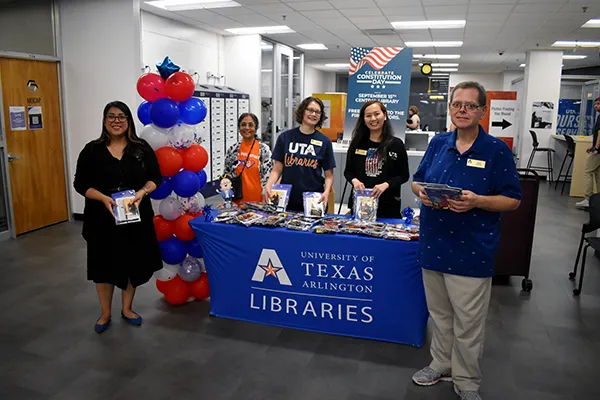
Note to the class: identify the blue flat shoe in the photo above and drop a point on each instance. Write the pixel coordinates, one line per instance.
(99, 328)
(132, 321)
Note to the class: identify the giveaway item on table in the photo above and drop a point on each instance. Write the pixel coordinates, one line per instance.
(374, 229)
(249, 218)
(439, 194)
(365, 206)
(398, 232)
(226, 191)
(328, 225)
(126, 212)
(258, 206)
(226, 215)
(273, 221)
(280, 196)
(312, 207)
(300, 223)
(354, 227)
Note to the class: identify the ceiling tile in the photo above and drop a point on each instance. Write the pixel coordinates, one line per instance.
(479, 2)
(444, 2)
(371, 22)
(484, 24)
(361, 12)
(447, 34)
(346, 4)
(485, 17)
(549, 8)
(442, 10)
(323, 15)
(252, 2)
(270, 8)
(311, 6)
(404, 13)
(386, 3)
(228, 11)
(490, 9)
(253, 20)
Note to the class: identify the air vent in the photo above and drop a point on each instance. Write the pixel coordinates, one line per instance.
(380, 32)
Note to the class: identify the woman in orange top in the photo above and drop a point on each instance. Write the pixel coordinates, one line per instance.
(251, 156)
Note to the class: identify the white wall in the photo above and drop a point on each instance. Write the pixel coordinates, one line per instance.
(508, 77)
(489, 81)
(242, 56)
(101, 63)
(570, 90)
(193, 49)
(318, 81)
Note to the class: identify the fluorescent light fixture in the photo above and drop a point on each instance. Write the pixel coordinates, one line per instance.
(522, 65)
(574, 56)
(439, 74)
(180, 5)
(296, 58)
(260, 30)
(574, 43)
(445, 69)
(266, 70)
(592, 23)
(334, 65)
(443, 56)
(449, 24)
(441, 64)
(312, 46)
(435, 44)
(418, 56)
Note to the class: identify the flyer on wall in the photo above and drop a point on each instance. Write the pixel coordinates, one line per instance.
(17, 118)
(541, 116)
(383, 74)
(35, 117)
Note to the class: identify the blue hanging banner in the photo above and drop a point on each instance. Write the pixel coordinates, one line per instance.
(568, 117)
(383, 74)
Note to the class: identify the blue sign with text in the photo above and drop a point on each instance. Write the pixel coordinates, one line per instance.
(339, 284)
(383, 74)
(568, 117)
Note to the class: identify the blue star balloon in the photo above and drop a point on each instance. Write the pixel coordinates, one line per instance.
(167, 67)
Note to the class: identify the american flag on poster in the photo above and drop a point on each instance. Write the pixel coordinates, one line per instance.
(377, 57)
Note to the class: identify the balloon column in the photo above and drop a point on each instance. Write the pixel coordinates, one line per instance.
(169, 114)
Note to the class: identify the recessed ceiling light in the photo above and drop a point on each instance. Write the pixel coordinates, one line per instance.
(574, 56)
(260, 30)
(435, 44)
(312, 46)
(574, 43)
(443, 56)
(445, 69)
(450, 24)
(522, 65)
(442, 64)
(180, 5)
(334, 65)
(592, 23)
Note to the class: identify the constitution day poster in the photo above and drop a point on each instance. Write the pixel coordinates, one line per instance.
(383, 74)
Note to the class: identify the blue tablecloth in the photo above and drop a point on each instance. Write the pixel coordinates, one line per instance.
(339, 284)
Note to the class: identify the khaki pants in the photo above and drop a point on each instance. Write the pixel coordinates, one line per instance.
(591, 174)
(458, 307)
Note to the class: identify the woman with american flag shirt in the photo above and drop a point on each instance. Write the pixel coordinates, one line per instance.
(377, 160)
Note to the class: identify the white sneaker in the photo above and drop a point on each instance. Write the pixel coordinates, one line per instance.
(583, 204)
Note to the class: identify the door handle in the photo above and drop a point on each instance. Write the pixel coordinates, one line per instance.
(12, 158)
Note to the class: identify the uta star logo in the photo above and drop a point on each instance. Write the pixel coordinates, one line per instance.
(270, 269)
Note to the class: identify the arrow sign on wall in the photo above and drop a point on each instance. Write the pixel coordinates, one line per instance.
(504, 124)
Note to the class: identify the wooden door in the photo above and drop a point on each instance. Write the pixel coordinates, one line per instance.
(37, 176)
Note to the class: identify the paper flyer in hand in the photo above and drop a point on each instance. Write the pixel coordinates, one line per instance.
(440, 193)
(365, 206)
(312, 207)
(126, 212)
(280, 195)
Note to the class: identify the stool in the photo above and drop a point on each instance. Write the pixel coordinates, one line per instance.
(570, 154)
(550, 152)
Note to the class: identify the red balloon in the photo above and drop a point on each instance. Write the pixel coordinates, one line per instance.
(180, 86)
(195, 158)
(160, 286)
(176, 291)
(183, 230)
(151, 87)
(169, 161)
(199, 288)
(164, 228)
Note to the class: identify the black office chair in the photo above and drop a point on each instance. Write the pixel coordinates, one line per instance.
(550, 152)
(594, 242)
(570, 154)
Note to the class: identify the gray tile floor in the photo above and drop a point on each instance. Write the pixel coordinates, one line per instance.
(539, 346)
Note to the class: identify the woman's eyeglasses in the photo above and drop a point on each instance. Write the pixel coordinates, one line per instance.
(313, 111)
(113, 118)
(247, 125)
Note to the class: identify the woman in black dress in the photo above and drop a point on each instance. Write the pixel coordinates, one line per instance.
(127, 255)
(377, 160)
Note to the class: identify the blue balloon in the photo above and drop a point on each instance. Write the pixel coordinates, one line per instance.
(163, 191)
(203, 178)
(185, 183)
(167, 67)
(192, 111)
(143, 113)
(172, 251)
(194, 249)
(164, 113)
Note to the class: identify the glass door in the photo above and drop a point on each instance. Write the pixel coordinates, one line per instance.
(587, 116)
(283, 83)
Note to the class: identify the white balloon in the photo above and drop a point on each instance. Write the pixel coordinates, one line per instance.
(155, 205)
(194, 204)
(172, 268)
(170, 208)
(155, 138)
(182, 136)
(165, 275)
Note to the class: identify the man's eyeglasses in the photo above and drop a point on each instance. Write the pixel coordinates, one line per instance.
(457, 105)
(113, 118)
(313, 111)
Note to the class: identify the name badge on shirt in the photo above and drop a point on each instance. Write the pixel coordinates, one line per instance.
(361, 152)
(316, 142)
(475, 163)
